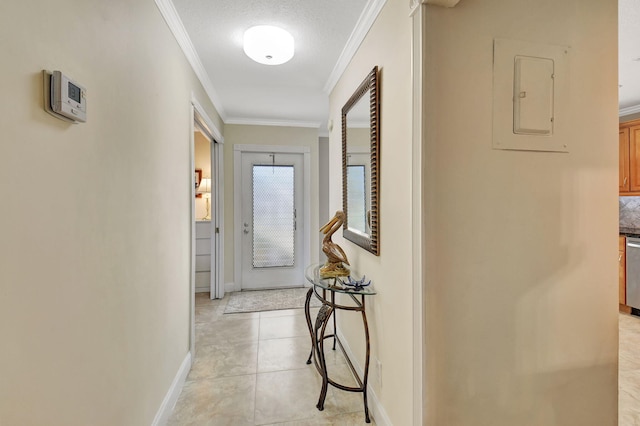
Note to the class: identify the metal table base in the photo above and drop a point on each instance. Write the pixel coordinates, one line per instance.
(318, 336)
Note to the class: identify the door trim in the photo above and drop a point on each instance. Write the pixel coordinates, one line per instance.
(419, 249)
(197, 110)
(238, 150)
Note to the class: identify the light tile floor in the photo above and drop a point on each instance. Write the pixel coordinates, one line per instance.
(250, 369)
(629, 371)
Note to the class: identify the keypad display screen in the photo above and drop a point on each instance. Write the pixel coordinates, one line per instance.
(74, 92)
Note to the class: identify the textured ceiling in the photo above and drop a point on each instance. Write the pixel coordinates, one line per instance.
(248, 91)
(629, 52)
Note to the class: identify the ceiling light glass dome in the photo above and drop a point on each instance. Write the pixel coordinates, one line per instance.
(268, 45)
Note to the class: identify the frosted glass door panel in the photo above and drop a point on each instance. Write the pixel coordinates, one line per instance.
(270, 223)
(273, 216)
(356, 214)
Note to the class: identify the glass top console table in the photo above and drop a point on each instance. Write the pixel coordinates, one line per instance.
(325, 289)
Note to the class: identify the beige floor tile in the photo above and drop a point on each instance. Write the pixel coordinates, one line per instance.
(629, 371)
(223, 359)
(281, 313)
(214, 313)
(203, 299)
(629, 359)
(207, 313)
(351, 419)
(290, 353)
(225, 401)
(244, 330)
(281, 327)
(238, 316)
(283, 354)
(286, 396)
(629, 419)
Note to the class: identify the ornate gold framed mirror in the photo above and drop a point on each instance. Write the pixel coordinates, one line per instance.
(360, 166)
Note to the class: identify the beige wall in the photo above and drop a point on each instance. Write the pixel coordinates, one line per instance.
(521, 261)
(387, 45)
(358, 138)
(235, 134)
(323, 165)
(95, 217)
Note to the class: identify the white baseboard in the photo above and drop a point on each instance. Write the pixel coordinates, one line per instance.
(170, 399)
(376, 410)
(229, 287)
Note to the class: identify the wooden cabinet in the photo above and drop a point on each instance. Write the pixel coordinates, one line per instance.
(622, 271)
(623, 170)
(629, 161)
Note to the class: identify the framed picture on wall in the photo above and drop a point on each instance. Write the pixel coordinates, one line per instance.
(198, 177)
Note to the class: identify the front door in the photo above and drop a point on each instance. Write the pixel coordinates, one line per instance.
(271, 220)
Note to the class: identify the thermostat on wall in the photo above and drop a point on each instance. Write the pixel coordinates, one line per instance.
(67, 97)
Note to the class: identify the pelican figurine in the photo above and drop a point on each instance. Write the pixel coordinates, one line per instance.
(335, 255)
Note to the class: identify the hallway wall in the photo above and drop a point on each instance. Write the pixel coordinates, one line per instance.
(522, 307)
(95, 217)
(389, 313)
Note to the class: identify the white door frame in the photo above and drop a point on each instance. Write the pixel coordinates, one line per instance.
(217, 226)
(216, 290)
(197, 112)
(237, 200)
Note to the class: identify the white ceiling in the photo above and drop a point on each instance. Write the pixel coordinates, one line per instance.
(629, 55)
(291, 93)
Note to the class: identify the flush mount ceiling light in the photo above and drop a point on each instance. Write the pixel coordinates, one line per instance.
(268, 45)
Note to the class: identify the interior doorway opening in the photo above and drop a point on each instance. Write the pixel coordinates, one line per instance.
(207, 212)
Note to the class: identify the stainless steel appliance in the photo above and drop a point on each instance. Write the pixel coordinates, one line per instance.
(633, 272)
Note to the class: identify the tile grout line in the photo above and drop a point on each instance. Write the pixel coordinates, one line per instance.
(255, 388)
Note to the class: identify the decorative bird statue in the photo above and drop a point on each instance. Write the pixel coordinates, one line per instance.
(335, 255)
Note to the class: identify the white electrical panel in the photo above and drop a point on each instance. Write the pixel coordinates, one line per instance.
(533, 96)
(530, 96)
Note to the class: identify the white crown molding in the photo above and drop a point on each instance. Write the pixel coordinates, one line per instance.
(170, 15)
(628, 110)
(443, 3)
(414, 4)
(212, 128)
(277, 123)
(364, 24)
(283, 149)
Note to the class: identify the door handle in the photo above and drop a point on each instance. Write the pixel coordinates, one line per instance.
(619, 258)
(625, 181)
(633, 245)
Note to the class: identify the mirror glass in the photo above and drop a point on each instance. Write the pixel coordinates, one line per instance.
(359, 151)
(359, 166)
